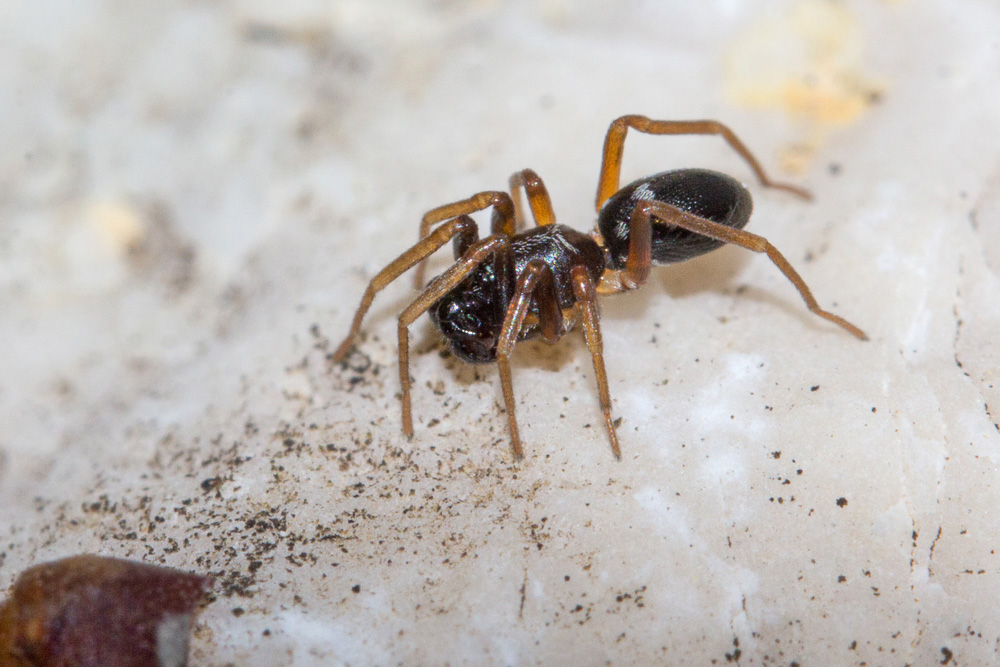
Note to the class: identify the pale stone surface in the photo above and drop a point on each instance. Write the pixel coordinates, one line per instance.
(192, 199)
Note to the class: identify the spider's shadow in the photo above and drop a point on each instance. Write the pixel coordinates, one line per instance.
(713, 272)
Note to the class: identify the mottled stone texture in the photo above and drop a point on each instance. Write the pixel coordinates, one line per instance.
(194, 195)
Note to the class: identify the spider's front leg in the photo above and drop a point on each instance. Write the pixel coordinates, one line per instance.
(503, 221)
(536, 280)
(538, 198)
(497, 248)
(586, 299)
(462, 227)
(537, 283)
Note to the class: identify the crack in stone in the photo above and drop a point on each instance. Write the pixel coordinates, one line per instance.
(958, 335)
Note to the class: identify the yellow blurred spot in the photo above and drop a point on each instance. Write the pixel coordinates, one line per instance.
(808, 63)
(119, 225)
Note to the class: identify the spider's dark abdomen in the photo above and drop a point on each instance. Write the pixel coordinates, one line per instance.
(471, 316)
(709, 194)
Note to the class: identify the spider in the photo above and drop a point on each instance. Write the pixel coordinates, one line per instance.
(517, 285)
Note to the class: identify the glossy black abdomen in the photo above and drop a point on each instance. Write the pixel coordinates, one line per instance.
(709, 194)
(471, 316)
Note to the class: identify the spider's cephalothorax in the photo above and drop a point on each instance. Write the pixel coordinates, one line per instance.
(516, 285)
(471, 315)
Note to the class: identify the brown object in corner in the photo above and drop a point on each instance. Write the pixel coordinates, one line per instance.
(107, 612)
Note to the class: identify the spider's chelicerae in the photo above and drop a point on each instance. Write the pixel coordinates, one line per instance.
(516, 285)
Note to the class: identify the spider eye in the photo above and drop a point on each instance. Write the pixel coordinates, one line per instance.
(464, 318)
(466, 322)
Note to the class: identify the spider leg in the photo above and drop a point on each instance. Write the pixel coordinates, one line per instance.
(497, 246)
(671, 215)
(538, 198)
(535, 280)
(586, 298)
(614, 146)
(501, 223)
(639, 259)
(462, 227)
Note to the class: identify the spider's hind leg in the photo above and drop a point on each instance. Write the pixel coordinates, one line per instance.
(614, 146)
(674, 216)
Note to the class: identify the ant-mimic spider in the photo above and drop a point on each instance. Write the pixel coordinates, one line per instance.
(517, 285)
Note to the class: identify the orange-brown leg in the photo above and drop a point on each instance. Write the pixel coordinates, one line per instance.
(639, 259)
(479, 252)
(535, 280)
(586, 299)
(538, 198)
(644, 212)
(614, 146)
(463, 227)
(502, 221)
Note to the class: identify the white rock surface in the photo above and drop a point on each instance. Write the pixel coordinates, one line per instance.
(193, 197)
